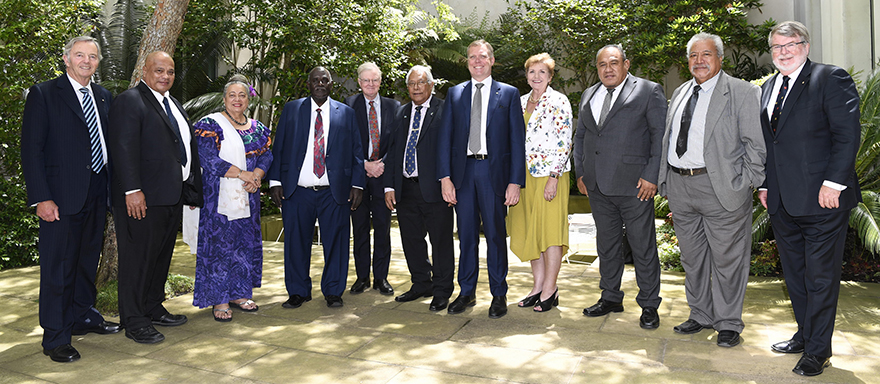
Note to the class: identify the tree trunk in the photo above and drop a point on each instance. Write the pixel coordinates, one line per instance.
(160, 35)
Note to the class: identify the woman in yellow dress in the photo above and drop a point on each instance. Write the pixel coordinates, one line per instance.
(538, 225)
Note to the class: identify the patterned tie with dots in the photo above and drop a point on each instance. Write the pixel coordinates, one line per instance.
(410, 158)
(374, 133)
(777, 110)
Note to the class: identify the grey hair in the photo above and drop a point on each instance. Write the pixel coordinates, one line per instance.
(789, 29)
(617, 46)
(78, 39)
(423, 69)
(719, 46)
(369, 66)
(237, 79)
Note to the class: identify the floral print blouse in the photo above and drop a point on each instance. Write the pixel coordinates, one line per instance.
(548, 134)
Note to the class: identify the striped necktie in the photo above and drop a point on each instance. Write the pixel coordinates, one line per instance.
(92, 121)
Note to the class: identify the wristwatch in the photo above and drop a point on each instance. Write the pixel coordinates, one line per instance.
(554, 175)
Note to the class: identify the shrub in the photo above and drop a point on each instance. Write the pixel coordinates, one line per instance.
(107, 301)
(19, 229)
(765, 260)
(177, 285)
(667, 246)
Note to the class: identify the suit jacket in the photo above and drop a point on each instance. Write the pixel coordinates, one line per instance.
(388, 107)
(505, 136)
(426, 150)
(145, 151)
(56, 150)
(816, 139)
(613, 158)
(733, 146)
(344, 159)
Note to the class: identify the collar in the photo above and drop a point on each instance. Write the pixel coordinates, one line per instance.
(76, 85)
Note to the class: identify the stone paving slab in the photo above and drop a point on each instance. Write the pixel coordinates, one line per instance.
(373, 339)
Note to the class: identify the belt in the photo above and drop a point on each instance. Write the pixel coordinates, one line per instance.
(316, 187)
(478, 157)
(688, 172)
(413, 179)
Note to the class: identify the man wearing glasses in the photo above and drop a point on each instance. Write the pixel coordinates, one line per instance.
(712, 160)
(810, 118)
(374, 115)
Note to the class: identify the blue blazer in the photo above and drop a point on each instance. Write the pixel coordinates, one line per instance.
(344, 159)
(505, 136)
(55, 145)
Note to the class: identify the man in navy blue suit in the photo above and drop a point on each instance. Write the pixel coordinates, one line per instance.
(481, 167)
(374, 115)
(64, 161)
(318, 173)
(810, 119)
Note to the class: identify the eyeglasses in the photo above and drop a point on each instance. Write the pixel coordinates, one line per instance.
(371, 81)
(777, 48)
(705, 55)
(413, 84)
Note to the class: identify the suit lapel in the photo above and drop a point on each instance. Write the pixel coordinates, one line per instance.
(427, 117)
(467, 99)
(767, 98)
(150, 98)
(587, 115)
(68, 94)
(625, 92)
(102, 107)
(332, 134)
(494, 98)
(794, 93)
(717, 104)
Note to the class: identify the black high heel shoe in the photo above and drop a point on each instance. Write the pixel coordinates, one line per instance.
(546, 305)
(530, 301)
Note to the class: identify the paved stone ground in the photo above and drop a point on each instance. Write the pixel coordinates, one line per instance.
(373, 339)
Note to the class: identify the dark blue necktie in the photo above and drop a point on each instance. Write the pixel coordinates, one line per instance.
(92, 121)
(176, 129)
(410, 158)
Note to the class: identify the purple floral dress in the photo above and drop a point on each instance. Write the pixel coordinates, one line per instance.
(229, 259)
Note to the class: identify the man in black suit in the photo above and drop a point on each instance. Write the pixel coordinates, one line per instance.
(412, 185)
(374, 115)
(617, 157)
(64, 161)
(156, 171)
(810, 119)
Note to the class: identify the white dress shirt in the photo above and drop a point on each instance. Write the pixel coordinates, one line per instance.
(307, 176)
(599, 98)
(485, 92)
(79, 95)
(693, 158)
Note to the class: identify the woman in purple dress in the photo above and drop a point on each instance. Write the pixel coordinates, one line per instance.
(234, 153)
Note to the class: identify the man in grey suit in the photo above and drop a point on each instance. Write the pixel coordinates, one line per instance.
(714, 154)
(617, 157)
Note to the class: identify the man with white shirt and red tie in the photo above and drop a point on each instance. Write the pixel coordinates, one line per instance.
(374, 115)
(317, 174)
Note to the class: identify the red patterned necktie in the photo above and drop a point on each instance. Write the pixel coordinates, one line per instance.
(319, 146)
(374, 133)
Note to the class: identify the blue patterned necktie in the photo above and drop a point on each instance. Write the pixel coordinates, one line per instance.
(92, 121)
(176, 128)
(410, 158)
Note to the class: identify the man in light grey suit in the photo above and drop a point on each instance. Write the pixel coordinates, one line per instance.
(714, 154)
(617, 158)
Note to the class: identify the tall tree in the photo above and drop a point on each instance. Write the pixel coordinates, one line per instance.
(161, 34)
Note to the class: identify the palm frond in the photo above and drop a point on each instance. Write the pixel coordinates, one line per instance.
(865, 219)
(760, 223)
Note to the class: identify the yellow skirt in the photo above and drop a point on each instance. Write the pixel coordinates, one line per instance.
(536, 224)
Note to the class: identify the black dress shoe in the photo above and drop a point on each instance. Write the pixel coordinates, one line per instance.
(62, 353)
(438, 303)
(689, 327)
(360, 285)
(728, 338)
(295, 301)
(460, 303)
(788, 346)
(498, 308)
(145, 335)
(811, 365)
(169, 320)
(602, 308)
(104, 328)
(411, 295)
(383, 287)
(333, 301)
(649, 319)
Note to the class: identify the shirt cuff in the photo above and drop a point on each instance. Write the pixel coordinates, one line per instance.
(132, 191)
(274, 183)
(389, 190)
(833, 185)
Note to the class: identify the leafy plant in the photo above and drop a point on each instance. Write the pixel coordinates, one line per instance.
(765, 260)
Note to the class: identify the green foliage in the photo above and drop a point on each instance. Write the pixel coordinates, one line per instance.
(765, 259)
(120, 37)
(177, 285)
(667, 246)
(18, 229)
(661, 207)
(654, 33)
(858, 263)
